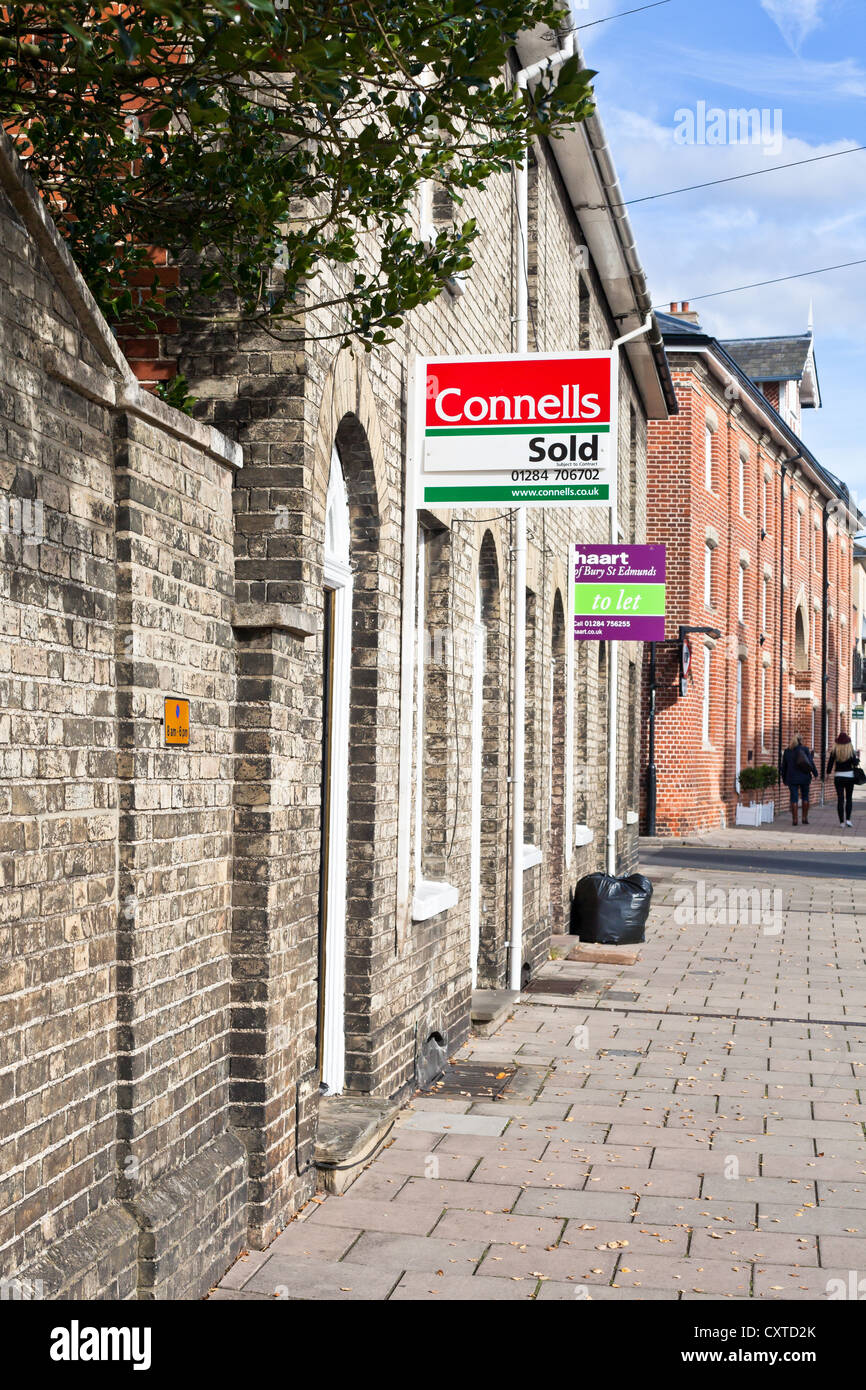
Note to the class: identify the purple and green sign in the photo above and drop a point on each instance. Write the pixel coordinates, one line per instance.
(619, 593)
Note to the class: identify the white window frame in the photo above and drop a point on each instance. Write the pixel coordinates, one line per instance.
(479, 655)
(763, 708)
(741, 594)
(764, 593)
(708, 574)
(705, 706)
(709, 435)
(742, 479)
(430, 897)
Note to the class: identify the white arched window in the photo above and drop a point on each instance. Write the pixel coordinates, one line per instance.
(479, 644)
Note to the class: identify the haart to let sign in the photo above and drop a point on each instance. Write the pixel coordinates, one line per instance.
(515, 430)
(619, 593)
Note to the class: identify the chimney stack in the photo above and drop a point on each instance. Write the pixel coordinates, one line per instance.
(682, 311)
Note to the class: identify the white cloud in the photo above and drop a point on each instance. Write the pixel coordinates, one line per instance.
(795, 19)
(786, 221)
(775, 77)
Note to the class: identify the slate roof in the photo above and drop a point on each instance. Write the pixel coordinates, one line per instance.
(771, 359)
(678, 330)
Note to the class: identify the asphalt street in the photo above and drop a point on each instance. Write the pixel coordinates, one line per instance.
(813, 864)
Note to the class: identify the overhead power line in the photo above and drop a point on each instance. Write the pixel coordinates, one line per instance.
(733, 178)
(622, 13)
(759, 284)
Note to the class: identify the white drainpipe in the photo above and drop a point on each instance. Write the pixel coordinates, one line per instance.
(518, 757)
(613, 663)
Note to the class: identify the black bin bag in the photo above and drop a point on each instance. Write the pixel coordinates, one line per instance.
(610, 911)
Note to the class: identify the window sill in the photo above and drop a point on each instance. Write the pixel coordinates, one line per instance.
(583, 835)
(432, 898)
(532, 855)
(631, 817)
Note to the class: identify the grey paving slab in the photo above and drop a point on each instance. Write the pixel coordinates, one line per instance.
(691, 1275)
(399, 1164)
(420, 1287)
(534, 1174)
(564, 1263)
(434, 1122)
(783, 1283)
(829, 1221)
(463, 1196)
(498, 1228)
(583, 1205)
(793, 1191)
(762, 1246)
(366, 1214)
(313, 1239)
(842, 1194)
(629, 1237)
(554, 1291)
(693, 1212)
(661, 1182)
(298, 1278)
(470, 1147)
(843, 1249)
(388, 1252)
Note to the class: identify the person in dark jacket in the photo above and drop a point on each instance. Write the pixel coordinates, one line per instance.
(843, 761)
(797, 769)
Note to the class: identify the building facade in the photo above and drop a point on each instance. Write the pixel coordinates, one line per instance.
(759, 556)
(223, 955)
(858, 652)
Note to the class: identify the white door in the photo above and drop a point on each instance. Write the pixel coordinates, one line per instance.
(335, 789)
(479, 642)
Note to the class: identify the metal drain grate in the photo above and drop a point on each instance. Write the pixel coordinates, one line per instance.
(473, 1079)
(626, 996)
(553, 986)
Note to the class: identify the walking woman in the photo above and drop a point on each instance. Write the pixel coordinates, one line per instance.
(843, 761)
(798, 769)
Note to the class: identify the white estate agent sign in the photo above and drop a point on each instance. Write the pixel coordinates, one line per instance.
(515, 430)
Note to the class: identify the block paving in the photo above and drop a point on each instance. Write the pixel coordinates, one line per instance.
(704, 1141)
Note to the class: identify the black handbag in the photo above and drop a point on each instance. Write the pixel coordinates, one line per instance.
(859, 776)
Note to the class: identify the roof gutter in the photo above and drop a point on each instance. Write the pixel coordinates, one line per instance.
(586, 165)
(727, 371)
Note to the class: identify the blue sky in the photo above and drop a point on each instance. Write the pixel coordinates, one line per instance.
(805, 59)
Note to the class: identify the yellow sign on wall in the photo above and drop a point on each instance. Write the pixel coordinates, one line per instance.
(176, 719)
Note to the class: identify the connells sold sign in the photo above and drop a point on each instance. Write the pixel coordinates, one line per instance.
(515, 430)
(619, 593)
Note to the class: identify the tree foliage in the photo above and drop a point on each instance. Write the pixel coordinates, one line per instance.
(259, 132)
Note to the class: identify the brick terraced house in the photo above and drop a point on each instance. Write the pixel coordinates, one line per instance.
(759, 550)
(225, 962)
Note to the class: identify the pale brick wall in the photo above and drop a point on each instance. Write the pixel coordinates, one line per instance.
(119, 1176)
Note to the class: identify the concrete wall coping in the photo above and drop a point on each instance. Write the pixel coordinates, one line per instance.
(130, 397)
(285, 617)
(22, 194)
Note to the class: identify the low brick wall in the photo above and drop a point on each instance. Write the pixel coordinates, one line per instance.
(119, 1176)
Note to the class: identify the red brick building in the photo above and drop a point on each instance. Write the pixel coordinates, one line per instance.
(759, 551)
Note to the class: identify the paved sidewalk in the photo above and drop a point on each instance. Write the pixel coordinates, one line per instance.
(689, 1127)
